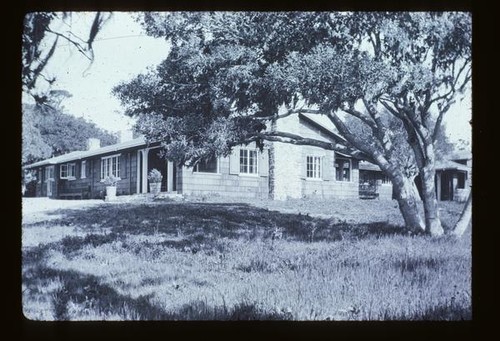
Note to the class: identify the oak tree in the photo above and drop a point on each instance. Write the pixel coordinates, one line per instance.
(229, 76)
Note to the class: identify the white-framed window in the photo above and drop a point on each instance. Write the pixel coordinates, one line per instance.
(342, 169)
(313, 167)
(207, 166)
(110, 165)
(249, 161)
(83, 170)
(67, 171)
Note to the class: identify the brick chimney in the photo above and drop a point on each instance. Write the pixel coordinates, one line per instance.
(93, 143)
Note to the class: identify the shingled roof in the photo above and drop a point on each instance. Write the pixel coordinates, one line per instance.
(82, 154)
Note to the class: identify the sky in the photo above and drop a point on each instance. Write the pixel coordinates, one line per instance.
(122, 51)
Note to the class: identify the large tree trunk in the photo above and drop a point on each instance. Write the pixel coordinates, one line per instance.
(465, 218)
(431, 210)
(409, 204)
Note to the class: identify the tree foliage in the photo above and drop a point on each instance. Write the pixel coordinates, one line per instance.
(229, 75)
(40, 41)
(50, 132)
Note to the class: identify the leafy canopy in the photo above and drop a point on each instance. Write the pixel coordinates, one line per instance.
(49, 132)
(229, 74)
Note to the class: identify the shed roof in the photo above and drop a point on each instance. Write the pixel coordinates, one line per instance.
(451, 165)
(461, 155)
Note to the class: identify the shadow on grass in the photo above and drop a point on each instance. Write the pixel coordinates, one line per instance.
(450, 311)
(201, 225)
(105, 302)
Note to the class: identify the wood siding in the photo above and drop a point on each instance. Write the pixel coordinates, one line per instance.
(91, 187)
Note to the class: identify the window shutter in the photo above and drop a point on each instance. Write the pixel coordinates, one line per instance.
(264, 163)
(327, 166)
(234, 161)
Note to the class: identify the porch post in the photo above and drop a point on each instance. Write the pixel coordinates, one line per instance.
(170, 176)
(138, 180)
(454, 184)
(145, 170)
(438, 185)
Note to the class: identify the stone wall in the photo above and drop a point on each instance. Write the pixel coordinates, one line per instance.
(224, 183)
(287, 162)
(290, 180)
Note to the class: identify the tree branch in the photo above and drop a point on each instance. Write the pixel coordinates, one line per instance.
(74, 43)
(393, 111)
(360, 116)
(279, 136)
(42, 65)
(356, 141)
(380, 132)
(437, 126)
(466, 63)
(288, 113)
(411, 130)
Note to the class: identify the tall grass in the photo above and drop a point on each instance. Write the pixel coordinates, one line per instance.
(237, 262)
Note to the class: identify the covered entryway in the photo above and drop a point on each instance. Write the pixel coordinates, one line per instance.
(446, 187)
(452, 181)
(149, 158)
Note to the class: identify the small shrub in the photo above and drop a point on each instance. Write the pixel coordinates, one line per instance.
(155, 175)
(111, 180)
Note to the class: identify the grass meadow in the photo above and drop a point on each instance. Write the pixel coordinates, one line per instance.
(202, 260)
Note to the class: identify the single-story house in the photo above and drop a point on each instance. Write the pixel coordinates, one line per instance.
(454, 177)
(280, 171)
(373, 182)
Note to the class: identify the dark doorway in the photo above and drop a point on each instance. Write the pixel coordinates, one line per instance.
(446, 185)
(155, 161)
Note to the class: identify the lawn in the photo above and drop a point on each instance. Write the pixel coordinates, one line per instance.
(210, 258)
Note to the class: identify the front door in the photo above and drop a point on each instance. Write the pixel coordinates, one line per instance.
(49, 179)
(446, 186)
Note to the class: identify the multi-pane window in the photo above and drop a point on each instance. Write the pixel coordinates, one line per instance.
(110, 165)
(313, 170)
(67, 171)
(207, 166)
(342, 169)
(248, 161)
(83, 170)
